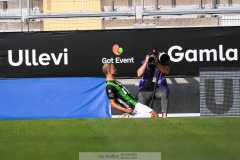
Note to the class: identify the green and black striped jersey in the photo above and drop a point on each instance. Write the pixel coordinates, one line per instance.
(116, 90)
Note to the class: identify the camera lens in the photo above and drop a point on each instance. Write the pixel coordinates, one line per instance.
(151, 58)
(164, 58)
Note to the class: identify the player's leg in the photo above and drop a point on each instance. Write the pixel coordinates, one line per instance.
(142, 110)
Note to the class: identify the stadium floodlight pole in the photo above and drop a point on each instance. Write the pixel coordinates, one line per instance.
(154, 90)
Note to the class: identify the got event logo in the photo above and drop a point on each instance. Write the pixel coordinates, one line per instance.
(117, 50)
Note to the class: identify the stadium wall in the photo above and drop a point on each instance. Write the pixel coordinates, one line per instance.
(82, 53)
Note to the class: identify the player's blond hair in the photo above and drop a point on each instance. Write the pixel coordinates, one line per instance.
(106, 67)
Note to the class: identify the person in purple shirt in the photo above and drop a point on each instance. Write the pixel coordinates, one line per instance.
(151, 68)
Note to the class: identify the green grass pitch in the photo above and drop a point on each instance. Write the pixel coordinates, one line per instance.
(176, 138)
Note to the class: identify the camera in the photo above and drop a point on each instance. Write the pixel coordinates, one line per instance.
(151, 58)
(152, 55)
(162, 57)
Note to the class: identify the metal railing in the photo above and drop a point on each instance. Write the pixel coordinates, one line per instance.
(197, 8)
(42, 15)
(107, 11)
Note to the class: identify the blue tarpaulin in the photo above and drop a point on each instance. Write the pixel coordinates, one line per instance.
(30, 98)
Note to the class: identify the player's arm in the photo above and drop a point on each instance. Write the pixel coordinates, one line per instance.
(119, 107)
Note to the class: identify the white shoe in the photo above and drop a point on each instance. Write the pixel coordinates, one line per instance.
(125, 115)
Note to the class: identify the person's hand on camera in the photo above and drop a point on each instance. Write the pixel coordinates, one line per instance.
(155, 61)
(146, 59)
